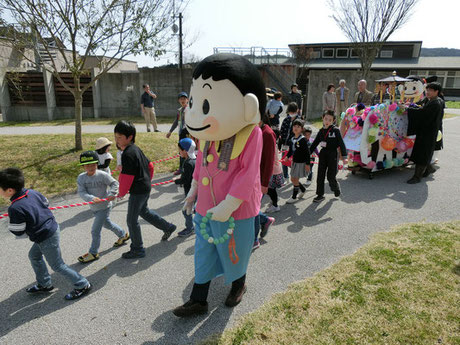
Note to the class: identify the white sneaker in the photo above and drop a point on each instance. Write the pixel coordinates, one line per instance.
(272, 209)
(300, 195)
(291, 200)
(307, 183)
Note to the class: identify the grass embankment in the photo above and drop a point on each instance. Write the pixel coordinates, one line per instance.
(452, 104)
(86, 122)
(401, 288)
(51, 166)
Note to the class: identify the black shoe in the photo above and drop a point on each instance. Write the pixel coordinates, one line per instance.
(337, 193)
(234, 299)
(133, 255)
(429, 170)
(186, 232)
(148, 129)
(168, 233)
(319, 198)
(77, 293)
(156, 131)
(191, 308)
(413, 180)
(39, 288)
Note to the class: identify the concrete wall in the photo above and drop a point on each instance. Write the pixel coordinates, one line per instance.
(320, 79)
(166, 84)
(119, 95)
(114, 95)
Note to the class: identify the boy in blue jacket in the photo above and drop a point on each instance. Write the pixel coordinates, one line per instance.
(29, 215)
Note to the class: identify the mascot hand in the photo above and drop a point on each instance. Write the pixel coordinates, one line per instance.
(190, 198)
(224, 210)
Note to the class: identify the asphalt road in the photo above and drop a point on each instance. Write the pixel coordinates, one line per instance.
(131, 301)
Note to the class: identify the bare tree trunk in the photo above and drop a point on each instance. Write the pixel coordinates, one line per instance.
(78, 119)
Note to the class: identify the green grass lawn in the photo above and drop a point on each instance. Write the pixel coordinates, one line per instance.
(50, 165)
(401, 288)
(451, 104)
(91, 121)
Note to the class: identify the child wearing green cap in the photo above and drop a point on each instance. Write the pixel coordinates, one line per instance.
(94, 185)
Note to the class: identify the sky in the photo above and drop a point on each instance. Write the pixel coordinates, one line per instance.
(276, 23)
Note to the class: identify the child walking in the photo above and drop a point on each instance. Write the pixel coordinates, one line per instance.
(276, 181)
(94, 185)
(274, 109)
(104, 156)
(300, 160)
(329, 139)
(307, 134)
(182, 98)
(135, 177)
(29, 215)
(187, 152)
(286, 131)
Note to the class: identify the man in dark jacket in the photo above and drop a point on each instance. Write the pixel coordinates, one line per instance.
(426, 129)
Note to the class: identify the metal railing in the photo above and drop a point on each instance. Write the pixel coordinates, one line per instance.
(259, 55)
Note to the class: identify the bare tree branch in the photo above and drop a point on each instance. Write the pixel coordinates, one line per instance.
(368, 24)
(112, 29)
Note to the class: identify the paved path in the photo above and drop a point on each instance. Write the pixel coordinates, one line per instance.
(67, 129)
(132, 300)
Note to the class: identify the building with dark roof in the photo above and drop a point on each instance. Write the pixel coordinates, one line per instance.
(327, 63)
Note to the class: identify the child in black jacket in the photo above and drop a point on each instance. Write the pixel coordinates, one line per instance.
(329, 139)
(300, 160)
(187, 152)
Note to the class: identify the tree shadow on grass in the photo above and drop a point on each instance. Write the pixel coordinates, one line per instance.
(456, 270)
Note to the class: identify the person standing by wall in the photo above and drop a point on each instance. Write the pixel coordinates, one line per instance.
(342, 94)
(363, 95)
(148, 111)
(329, 99)
(295, 96)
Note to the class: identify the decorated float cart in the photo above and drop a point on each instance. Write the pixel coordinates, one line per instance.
(376, 137)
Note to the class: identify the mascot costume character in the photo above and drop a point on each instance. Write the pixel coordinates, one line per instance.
(413, 90)
(227, 97)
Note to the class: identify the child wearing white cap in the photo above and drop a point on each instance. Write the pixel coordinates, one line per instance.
(187, 152)
(102, 148)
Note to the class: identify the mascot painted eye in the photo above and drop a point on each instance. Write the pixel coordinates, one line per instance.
(190, 104)
(205, 107)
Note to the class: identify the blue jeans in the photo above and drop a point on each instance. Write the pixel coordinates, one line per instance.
(50, 249)
(102, 218)
(285, 171)
(137, 206)
(188, 220)
(260, 220)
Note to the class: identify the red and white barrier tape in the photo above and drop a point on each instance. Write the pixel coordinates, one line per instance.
(5, 215)
(166, 159)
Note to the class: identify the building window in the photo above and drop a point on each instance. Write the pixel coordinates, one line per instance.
(453, 82)
(328, 53)
(447, 79)
(354, 53)
(386, 54)
(341, 53)
(316, 54)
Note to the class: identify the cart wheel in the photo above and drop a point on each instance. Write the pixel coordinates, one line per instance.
(371, 176)
(353, 172)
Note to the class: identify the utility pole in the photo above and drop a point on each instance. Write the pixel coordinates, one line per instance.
(180, 54)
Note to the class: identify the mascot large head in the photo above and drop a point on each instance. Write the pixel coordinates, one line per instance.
(226, 95)
(413, 89)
